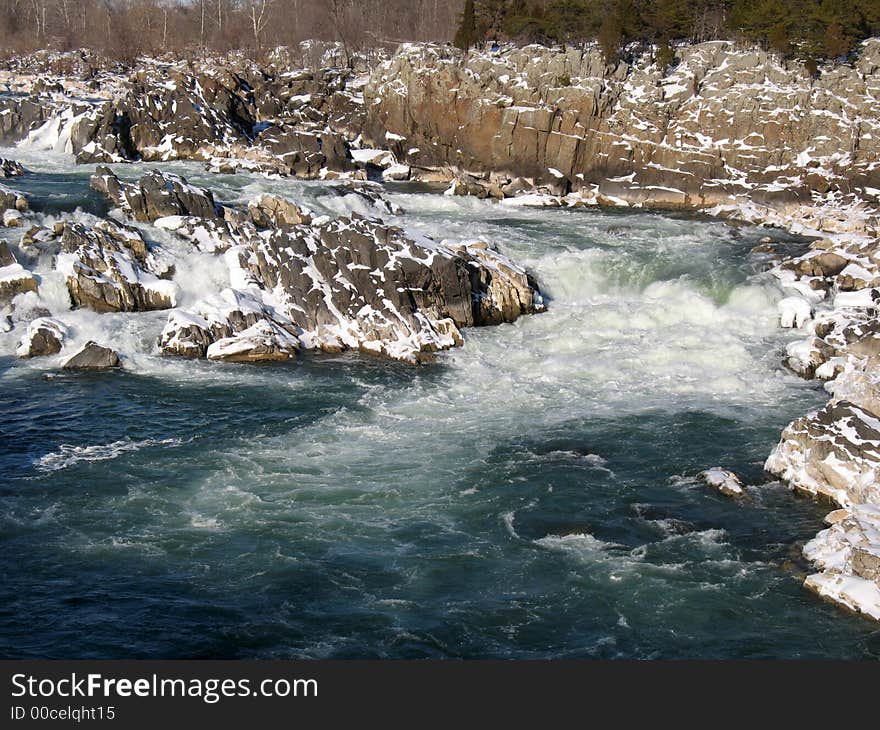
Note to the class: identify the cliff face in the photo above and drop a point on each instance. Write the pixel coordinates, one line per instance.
(721, 125)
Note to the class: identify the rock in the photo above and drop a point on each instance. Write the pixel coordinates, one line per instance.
(726, 482)
(221, 317)
(44, 336)
(350, 283)
(156, 195)
(274, 211)
(6, 257)
(14, 278)
(794, 312)
(856, 594)
(12, 219)
(10, 168)
(106, 269)
(12, 200)
(397, 172)
(848, 556)
(263, 341)
(93, 357)
(38, 240)
(834, 453)
(307, 152)
(211, 235)
(818, 263)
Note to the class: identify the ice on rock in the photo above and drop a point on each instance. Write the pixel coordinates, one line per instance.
(725, 481)
(44, 336)
(794, 312)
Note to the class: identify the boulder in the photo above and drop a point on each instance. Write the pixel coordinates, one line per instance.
(93, 357)
(264, 341)
(10, 168)
(274, 211)
(14, 278)
(834, 453)
(44, 336)
(107, 270)
(12, 200)
(726, 482)
(12, 219)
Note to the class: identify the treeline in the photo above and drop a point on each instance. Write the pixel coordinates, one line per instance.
(809, 29)
(125, 29)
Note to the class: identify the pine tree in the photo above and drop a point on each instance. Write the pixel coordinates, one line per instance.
(466, 35)
(779, 40)
(610, 37)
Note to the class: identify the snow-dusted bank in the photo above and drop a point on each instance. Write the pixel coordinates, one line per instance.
(731, 133)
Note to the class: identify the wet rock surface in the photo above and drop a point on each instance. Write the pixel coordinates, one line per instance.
(94, 357)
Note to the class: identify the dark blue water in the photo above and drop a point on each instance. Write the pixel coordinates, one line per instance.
(531, 495)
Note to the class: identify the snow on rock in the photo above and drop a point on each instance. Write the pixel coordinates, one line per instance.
(350, 283)
(156, 195)
(269, 211)
(12, 199)
(726, 482)
(14, 278)
(109, 269)
(834, 453)
(794, 312)
(44, 336)
(848, 554)
(263, 341)
(10, 168)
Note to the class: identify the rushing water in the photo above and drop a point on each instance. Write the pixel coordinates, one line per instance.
(531, 495)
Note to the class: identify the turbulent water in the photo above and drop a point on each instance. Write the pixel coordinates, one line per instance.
(531, 495)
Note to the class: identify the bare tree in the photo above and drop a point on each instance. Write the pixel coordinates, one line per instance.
(259, 15)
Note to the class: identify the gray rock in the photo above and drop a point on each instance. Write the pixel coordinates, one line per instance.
(93, 357)
(156, 195)
(10, 168)
(108, 269)
(12, 199)
(44, 337)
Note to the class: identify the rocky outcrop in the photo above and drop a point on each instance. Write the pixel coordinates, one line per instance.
(835, 453)
(109, 269)
(724, 126)
(229, 111)
(14, 278)
(274, 211)
(156, 195)
(93, 357)
(44, 336)
(352, 283)
(217, 322)
(12, 199)
(10, 168)
(848, 555)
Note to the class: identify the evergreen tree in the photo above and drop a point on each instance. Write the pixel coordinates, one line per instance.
(466, 36)
(611, 37)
